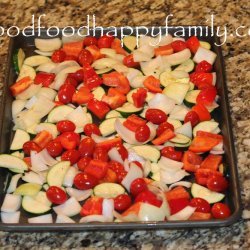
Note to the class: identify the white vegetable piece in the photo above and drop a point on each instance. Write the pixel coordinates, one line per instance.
(47, 67)
(169, 163)
(63, 65)
(69, 177)
(186, 184)
(80, 195)
(13, 183)
(185, 129)
(47, 218)
(64, 219)
(177, 58)
(32, 90)
(47, 92)
(11, 203)
(37, 60)
(19, 139)
(93, 218)
(204, 54)
(168, 176)
(43, 53)
(115, 155)
(184, 214)
(17, 107)
(32, 177)
(149, 212)
(10, 217)
(70, 208)
(108, 209)
(48, 44)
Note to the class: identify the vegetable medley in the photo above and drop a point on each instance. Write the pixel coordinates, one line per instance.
(115, 133)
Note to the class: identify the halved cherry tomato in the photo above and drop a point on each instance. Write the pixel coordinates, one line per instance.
(82, 96)
(220, 211)
(116, 45)
(192, 117)
(191, 161)
(203, 66)
(201, 80)
(203, 174)
(133, 122)
(69, 140)
(58, 56)
(44, 78)
(148, 197)
(56, 195)
(177, 205)
(73, 48)
(91, 79)
(97, 168)
(152, 84)
(202, 112)
(163, 126)
(193, 43)
(217, 183)
(54, 148)
(30, 146)
(171, 153)
(129, 61)
(137, 186)
(65, 126)
(203, 144)
(178, 45)
(85, 57)
(98, 108)
(92, 206)
(139, 97)
(90, 40)
(164, 50)
(105, 41)
(100, 154)
(71, 155)
(177, 193)
(87, 147)
(164, 137)
(156, 116)
(43, 138)
(83, 163)
(142, 133)
(90, 129)
(211, 162)
(95, 51)
(201, 205)
(114, 99)
(207, 96)
(84, 181)
(122, 202)
(21, 85)
(66, 93)
(110, 176)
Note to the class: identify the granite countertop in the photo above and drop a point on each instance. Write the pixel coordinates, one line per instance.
(232, 13)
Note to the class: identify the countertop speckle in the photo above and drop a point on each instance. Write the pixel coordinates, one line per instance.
(232, 13)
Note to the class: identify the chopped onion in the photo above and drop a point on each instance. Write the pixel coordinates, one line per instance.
(47, 218)
(79, 195)
(38, 163)
(13, 183)
(50, 161)
(126, 165)
(186, 184)
(47, 67)
(78, 117)
(108, 209)
(63, 65)
(93, 218)
(63, 219)
(162, 102)
(217, 152)
(133, 156)
(127, 218)
(11, 203)
(114, 155)
(10, 217)
(168, 177)
(69, 177)
(166, 163)
(159, 185)
(30, 103)
(133, 173)
(178, 58)
(33, 177)
(146, 168)
(184, 214)
(149, 212)
(70, 208)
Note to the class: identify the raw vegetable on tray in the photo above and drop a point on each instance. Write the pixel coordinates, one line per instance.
(112, 133)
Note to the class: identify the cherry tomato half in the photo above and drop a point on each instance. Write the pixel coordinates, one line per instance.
(85, 57)
(220, 211)
(142, 133)
(58, 56)
(30, 146)
(156, 116)
(217, 183)
(56, 195)
(54, 148)
(122, 202)
(163, 126)
(83, 163)
(71, 155)
(87, 147)
(137, 186)
(66, 93)
(85, 181)
(90, 129)
(69, 140)
(171, 153)
(192, 117)
(201, 205)
(65, 126)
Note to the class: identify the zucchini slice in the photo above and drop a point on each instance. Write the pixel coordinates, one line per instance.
(98, 93)
(186, 66)
(148, 152)
(128, 109)
(13, 162)
(33, 206)
(190, 98)
(107, 127)
(34, 61)
(50, 127)
(59, 113)
(28, 189)
(129, 43)
(19, 139)
(207, 126)
(113, 114)
(108, 190)
(180, 139)
(205, 45)
(18, 59)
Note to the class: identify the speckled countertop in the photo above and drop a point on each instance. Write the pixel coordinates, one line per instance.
(151, 13)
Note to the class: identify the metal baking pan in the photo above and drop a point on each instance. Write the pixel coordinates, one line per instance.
(222, 116)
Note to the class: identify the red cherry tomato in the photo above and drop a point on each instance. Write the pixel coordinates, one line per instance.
(148, 197)
(87, 147)
(105, 41)
(71, 155)
(220, 211)
(207, 96)
(217, 183)
(178, 45)
(129, 61)
(122, 151)
(122, 202)
(65, 126)
(156, 116)
(137, 186)
(201, 205)
(69, 140)
(101, 154)
(71, 80)
(118, 168)
(163, 126)
(66, 93)
(85, 181)
(54, 148)
(83, 163)
(203, 66)
(90, 129)
(85, 57)
(90, 40)
(171, 153)
(142, 133)
(56, 195)
(78, 75)
(30, 146)
(58, 56)
(192, 117)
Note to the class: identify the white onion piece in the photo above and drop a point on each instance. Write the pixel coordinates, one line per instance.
(166, 163)
(177, 58)
(47, 218)
(10, 217)
(43, 53)
(133, 156)
(69, 177)
(168, 177)
(186, 184)
(127, 218)
(133, 173)
(37, 162)
(146, 168)
(48, 44)
(184, 214)
(149, 212)
(30, 103)
(80, 195)
(63, 65)
(108, 209)
(218, 147)
(11, 203)
(29, 92)
(50, 161)
(64, 219)
(140, 56)
(132, 73)
(137, 82)
(93, 218)
(13, 183)
(126, 165)
(202, 53)
(114, 155)
(17, 107)
(70, 208)
(120, 68)
(47, 92)
(217, 152)
(47, 67)
(43, 106)
(78, 117)
(159, 185)
(165, 40)
(162, 102)
(33, 177)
